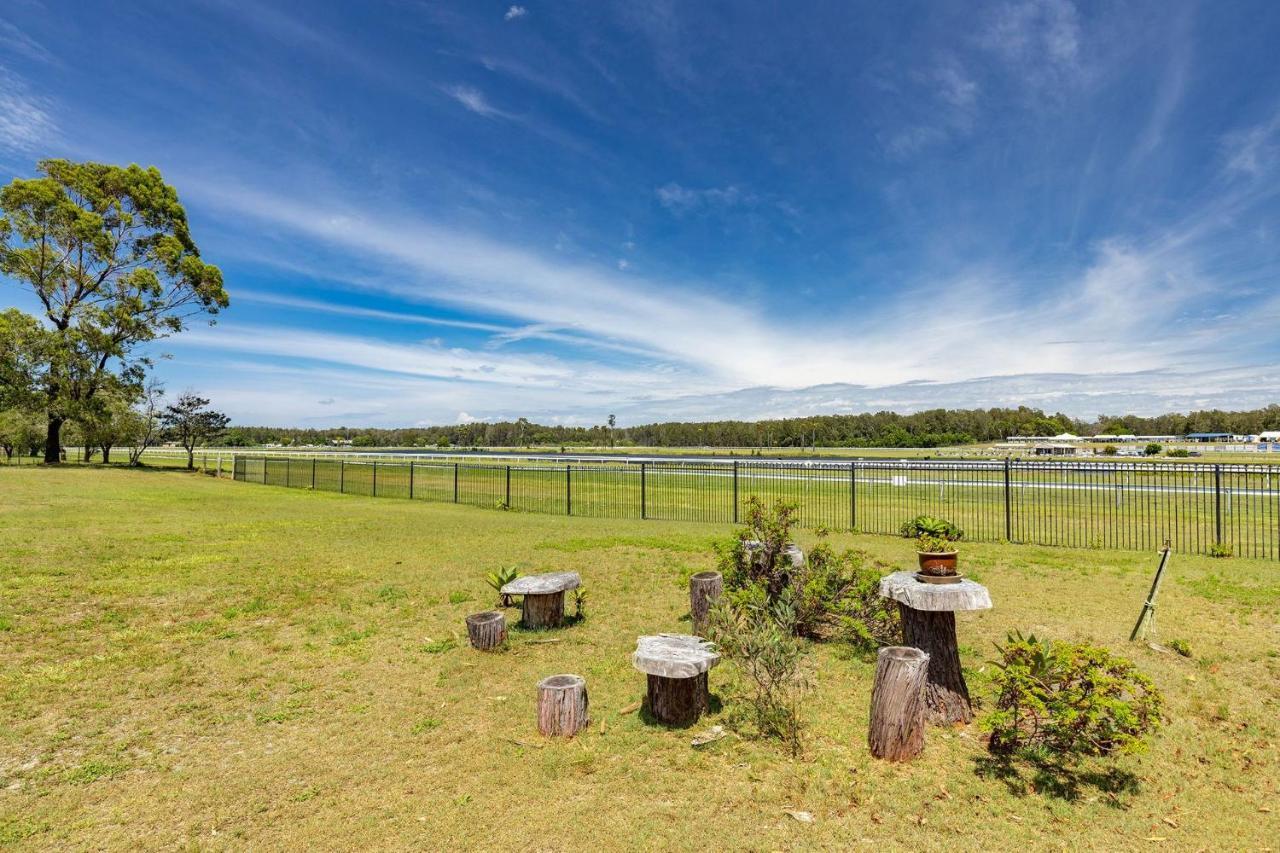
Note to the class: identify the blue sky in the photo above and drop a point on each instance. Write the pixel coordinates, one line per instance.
(433, 212)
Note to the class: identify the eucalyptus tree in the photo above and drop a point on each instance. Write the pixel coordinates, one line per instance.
(190, 422)
(107, 252)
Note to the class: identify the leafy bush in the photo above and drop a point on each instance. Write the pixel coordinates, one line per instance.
(1152, 449)
(927, 525)
(1060, 701)
(500, 578)
(1178, 453)
(1220, 549)
(759, 636)
(579, 604)
(934, 545)
(1182, 647)
(833, 595)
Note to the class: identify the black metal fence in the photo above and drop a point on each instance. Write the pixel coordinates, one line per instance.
(1124, 505)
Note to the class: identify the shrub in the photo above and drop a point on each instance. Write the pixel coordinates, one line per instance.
(927, 525)
(1220, 549)
(1061, 701)
(500, 578)
(1178, 453)
(833, 595)
(759, 637)
(1152, 449)
(1182, 647)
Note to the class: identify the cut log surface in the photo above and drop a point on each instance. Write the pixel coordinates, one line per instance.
(542, 584)
(487, 630)
(562, 705)
(674, 655)
(543, 611)
(946, 694)
(903, 588)
(704, 589)
(678, 701)
(896, 731)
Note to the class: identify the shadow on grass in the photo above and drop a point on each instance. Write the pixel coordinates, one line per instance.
(1060, 781)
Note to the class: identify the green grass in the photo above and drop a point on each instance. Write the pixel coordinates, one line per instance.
(192, 662)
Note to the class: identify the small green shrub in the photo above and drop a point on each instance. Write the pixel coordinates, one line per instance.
(1062, 701)
(1182, 647)
(459, 596)
(934, 545)
(1178, 453)
(500, 578)
(1220, 549)
(1152, 449)
(759, 636)
(927, 525)
(579, 604)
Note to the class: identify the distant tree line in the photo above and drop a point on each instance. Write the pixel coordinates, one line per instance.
(933, 428)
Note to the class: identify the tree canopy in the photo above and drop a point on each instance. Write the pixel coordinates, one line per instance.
(107, 252)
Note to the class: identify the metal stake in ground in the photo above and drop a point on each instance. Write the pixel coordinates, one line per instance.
(1148, 614)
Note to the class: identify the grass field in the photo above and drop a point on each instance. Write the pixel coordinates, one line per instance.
(197, 663)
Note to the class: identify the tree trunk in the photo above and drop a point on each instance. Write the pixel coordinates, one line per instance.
(934, 632)
(106, 454)
(896, 732)
(704, 589)
(678, 701)
(53, 440)
(191, 458)
(562, 705)
(487, 630)
(543, 611)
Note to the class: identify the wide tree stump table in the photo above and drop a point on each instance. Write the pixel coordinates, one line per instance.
(543, 604)
(676, 666)
(929, 624)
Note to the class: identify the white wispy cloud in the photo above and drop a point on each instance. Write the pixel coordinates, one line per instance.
(681, 199)
(1253, 150)
(19, 42)
(475, 101)
(515, 12)
(26, 123)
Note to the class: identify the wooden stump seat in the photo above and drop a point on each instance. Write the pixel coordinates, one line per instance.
(896, 730)
(487, 630)
(676, 666)
(704, 589)
(543, 604)
(929, 624)
(563, 709)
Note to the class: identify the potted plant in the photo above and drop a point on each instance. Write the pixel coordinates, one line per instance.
(935, 548)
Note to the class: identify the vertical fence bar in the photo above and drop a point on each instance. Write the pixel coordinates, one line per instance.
(410, 479)
(1217, 503)
(643, 497)
(508, 487)
(568, 490)
(735, 491)
(313, 473)
(853, 495)
(375, 478)
(342, 476)
(1008, 505)
(455, 482)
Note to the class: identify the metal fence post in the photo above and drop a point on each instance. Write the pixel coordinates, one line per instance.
(264, 470)
(735, 491)
(568, 490)
(644, 513)
(342, 476)
(313, 473)
(1217, 503)
(508, 501)
(455, 482)
(853, 496)
(1008, 503)
(288, 472)
(410, 479)
(375, 478)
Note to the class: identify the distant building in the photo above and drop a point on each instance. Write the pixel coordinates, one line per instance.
(1212, 437)
(1055, 448)
(1271, 436)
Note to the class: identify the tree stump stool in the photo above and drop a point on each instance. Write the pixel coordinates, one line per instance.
(929, 624)
(896, 731)
(791, 551)
(676, 666)
(543, 604)
(704, 589)
(562, 705)
(487, 630)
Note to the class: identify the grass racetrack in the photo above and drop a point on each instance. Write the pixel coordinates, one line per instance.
(189, 662)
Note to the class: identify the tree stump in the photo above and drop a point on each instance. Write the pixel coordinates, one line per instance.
(676, 666)
(896, 731)
(543, 605)
(562, 705)
(678, 701)
(929, 624)
(934, 632)
(487, 630)
(704, 589)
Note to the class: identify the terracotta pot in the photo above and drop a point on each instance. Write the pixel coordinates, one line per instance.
(942, 563)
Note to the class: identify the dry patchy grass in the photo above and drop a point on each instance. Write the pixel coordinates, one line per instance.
(190, 662)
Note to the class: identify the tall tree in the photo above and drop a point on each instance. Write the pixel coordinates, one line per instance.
(148, 411)
(107, 252)
(190, 423)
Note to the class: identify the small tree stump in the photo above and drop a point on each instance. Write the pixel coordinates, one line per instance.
(676, 666)
(487, 630)
(896, 732)
(562, 705)
(704, 589)
(543, 604)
